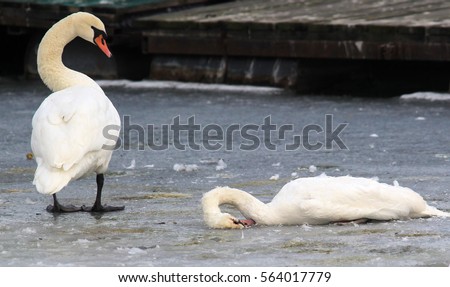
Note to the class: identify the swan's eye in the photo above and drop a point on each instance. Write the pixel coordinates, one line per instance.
(100, 39)
(99, 34)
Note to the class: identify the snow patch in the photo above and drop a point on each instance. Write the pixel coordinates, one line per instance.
(185, 167)
(275, 177)
(426, 96)
(136, 250)
(132, 165)
(148, 84)
(221, 165)
(29, 230)
(29, 201)
(312, 168)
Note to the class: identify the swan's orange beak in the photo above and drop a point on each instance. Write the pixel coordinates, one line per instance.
(247, 222)
(101, 43)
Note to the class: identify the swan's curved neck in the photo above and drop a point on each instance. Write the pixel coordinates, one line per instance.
(249, 206)
(49, 58)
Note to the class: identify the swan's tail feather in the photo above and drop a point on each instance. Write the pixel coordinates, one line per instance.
(50, 181)
(433, 211)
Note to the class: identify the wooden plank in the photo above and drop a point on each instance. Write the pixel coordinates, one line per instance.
(195, 45)
(335, 29)
(43, 13)
(270, 11)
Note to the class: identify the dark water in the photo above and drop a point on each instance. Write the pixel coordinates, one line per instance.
(162, 224)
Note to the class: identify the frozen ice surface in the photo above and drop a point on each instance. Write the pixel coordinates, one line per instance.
(162, 223)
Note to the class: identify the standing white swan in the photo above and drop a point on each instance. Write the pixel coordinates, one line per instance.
(68, 138)
(318, 200)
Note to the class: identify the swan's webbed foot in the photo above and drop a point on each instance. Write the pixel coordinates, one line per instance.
(102, 208)
(59, 208)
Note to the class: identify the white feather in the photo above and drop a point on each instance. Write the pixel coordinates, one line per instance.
(319, 200)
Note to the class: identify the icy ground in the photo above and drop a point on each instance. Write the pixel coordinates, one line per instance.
(396, 140)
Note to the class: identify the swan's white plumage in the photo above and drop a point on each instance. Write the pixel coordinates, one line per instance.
(69, 137)
(320, 200)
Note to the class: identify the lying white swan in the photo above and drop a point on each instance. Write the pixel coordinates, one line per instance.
(68, 128)
(318, 200)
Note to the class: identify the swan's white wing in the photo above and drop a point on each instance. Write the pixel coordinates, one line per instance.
(69, 124)
(327, 199)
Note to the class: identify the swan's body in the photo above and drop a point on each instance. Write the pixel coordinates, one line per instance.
(318, 200)
(68, 138)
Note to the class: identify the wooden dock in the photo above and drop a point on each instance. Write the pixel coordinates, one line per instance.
(314, 46)
(338, 29)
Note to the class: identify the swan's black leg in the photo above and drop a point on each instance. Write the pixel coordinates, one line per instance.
(98, 207)
(58, 208)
